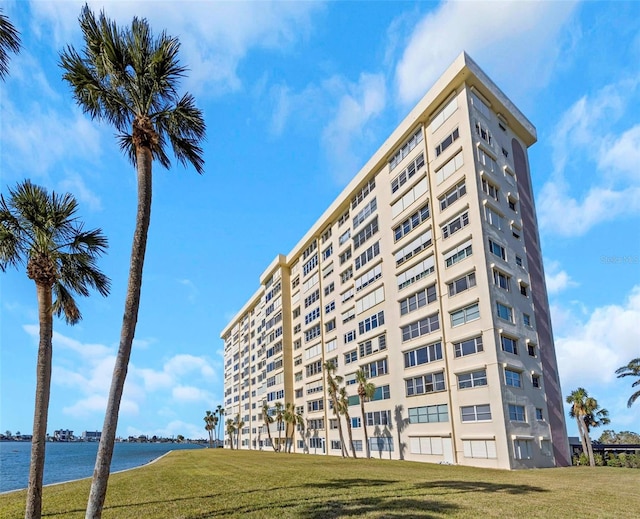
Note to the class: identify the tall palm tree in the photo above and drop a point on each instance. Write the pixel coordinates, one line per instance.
(631, 370)
(220, 413)
(209, 421)
(343, 408)
(126, 77)
(43, 231)
(279, 419)
(366, 390)
(333, 382)
(588, 414)
(239, 424)
(231, 428)
(268, 420)
(294, 419)
(9, 42)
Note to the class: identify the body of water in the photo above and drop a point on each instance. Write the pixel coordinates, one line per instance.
(74, 460)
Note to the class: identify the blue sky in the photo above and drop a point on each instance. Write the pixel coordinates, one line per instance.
(296, 97)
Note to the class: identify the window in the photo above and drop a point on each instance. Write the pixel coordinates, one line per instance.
(367, 255)
(452, 195)
(344, 218)
(416, 273)
(345, 256)
(531, 350)
(516, 413)
(429, 383)
(381, 444)
(501, 280)
(409, 172)
(447, 141)
(314, 368)
(312, 333)
(331, 345)
(497, 250)
(344, 237)
(444, 114)
(429, 445)
(312, 316)
(315, 405)
(476, 413)
(409, 145)
(372, 346)
(491, 190)
(412, 222)
(487, 161)
(371, 322)
(483, 132)
(329, 288)
(418, 300)
(522, 449)
(462, 283)
(326, 235)
(349, 336)
(364, 213)
(310, 265)
(465, 315)
(348, 315)
(368, 278)
(416, 246)
(519, 261)
(450, 167)
(370, 300)
(346, 275)
(455, 224)
(429, 414)
(524, 290)
(458, 254)
(309, 250)
(366, 233)
(480, 105)
(348, 295)
(539, 415)
(311, 298)
(327, 252)
(493, 217)
(316, 443)
(327, 270)
(509, 345)
(362, 194)
(473, 379)
(407, 200)
(423, 355)
(512, 378)
(429, 324)
(330, 307)
(504, 312)
(535, 381)
(316, 424)
(468, 347)
(376, 368)
(356, 422)
(378, 418)
(351, 356)
(512, 204)
(330, 325)
(479, 449)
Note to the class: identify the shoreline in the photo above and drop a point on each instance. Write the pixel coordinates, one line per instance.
(89, 477)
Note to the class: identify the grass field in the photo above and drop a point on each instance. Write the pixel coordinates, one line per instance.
(196, 484)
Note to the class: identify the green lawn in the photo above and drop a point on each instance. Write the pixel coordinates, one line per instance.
(196, 484)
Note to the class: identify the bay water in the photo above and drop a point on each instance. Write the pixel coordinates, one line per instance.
(66, 461)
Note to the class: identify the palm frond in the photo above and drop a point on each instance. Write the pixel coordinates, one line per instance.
(9, 42)
(64, 304)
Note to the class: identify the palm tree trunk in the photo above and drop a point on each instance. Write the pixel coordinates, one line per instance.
(587, 439)
(581, 434)
(364, 427)
(43, 390)
(98, 491)
(350, 431)
(343, 447)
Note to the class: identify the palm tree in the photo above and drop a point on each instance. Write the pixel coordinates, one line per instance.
(366, 390)
(239, 424)
(343, 408)
(209, 420)
(279, 419)
(293, 418)
(220, 413)
(231, 428)
(333, 381)
(9, 42)
(632, 369)
(43, 231)
(588, 414)
(129, 79)
(268, 420)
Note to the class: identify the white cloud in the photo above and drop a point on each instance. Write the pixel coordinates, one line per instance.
(569, 207)
(184, 394)
(492, 33)
(590, 349)
(74, 183)
(557, 280)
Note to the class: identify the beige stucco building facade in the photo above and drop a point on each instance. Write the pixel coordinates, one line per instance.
(426, 272)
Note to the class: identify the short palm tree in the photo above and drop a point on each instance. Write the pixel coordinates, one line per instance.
(588, 414)
(294, 419)
(209, 425)
(333, 383)
(631, 370)
(9, 42)
(43, 231)
(231, 428)
(279, 419)
(268, 420)
(366, 390)
(239, 424)
(129, 79)
(343, 408)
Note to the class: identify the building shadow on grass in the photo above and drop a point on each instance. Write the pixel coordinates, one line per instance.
(342, 484)
(389, 507)
(479, 486)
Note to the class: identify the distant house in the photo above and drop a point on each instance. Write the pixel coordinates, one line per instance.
(63, 435)
(604, 448)
(91, 436)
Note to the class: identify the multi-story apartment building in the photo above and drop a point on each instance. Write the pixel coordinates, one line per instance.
(425, 273)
